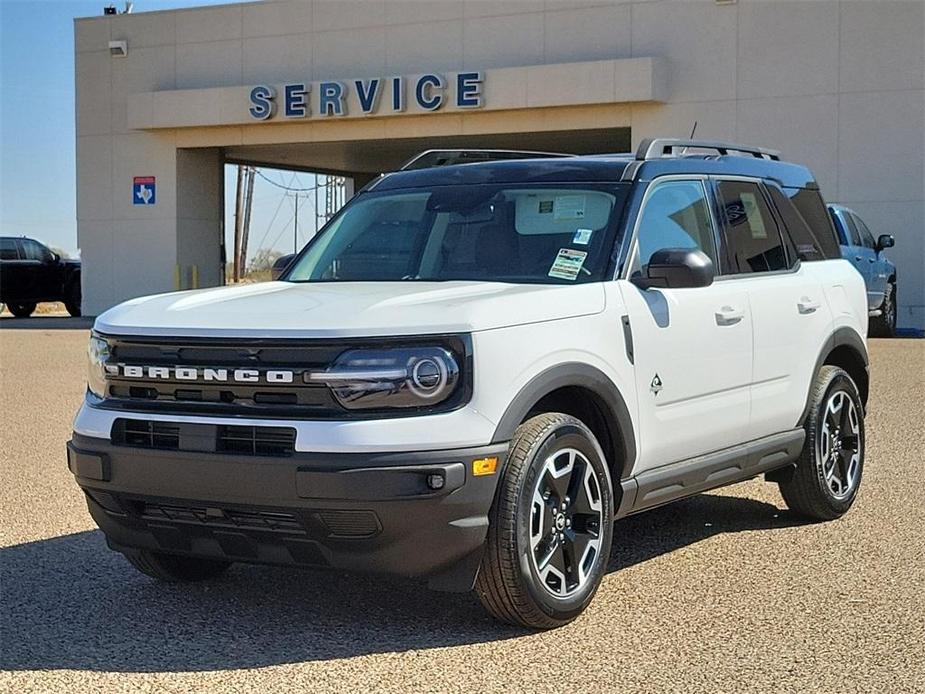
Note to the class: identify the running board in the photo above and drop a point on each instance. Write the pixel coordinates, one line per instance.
(688, 477)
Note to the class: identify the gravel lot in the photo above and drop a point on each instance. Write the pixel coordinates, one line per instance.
(723, 592)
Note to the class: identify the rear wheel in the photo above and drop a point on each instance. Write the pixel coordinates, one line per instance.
(174, 568)
(21, 310)
(550, 527)
(828, 474)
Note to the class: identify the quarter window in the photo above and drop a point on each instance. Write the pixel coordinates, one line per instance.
(676, 215)
(753, 240)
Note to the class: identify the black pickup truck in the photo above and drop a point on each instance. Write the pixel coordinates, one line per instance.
(30, 272)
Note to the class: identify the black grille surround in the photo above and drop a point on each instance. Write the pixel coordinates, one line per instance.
(265, 398)
(204, 438)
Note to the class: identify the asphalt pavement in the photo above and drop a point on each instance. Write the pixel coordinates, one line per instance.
(724, 592)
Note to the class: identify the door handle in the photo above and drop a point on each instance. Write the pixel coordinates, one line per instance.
(859, 258)
(807, 305)
(870, 260)
(729, 316)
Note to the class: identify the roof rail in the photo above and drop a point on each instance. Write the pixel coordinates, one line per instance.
(448, 157)
(662, 147)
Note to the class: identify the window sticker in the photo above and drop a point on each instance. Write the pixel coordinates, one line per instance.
(567, 264)
(753, 214)
(582, 237)
(569, 207)
(545, 207)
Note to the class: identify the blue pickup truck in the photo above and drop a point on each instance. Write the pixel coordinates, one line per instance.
(859, 247)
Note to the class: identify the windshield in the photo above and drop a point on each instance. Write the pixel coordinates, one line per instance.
(558, 234)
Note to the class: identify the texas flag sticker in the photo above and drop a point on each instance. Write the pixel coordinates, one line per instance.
(144, 190)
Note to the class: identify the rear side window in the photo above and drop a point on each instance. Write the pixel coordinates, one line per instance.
(813, 211)
(8, 250)
(805, 242)
(753, 241)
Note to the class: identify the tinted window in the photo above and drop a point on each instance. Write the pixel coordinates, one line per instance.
(35, 251)
(8, 250)
(806, 244)
(867, 239)
(811, 207)
(753, 240)
(676, 215)
(853, 234)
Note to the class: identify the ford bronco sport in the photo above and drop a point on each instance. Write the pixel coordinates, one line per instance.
(475, 368)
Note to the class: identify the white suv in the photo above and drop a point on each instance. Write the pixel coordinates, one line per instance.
(478, 366)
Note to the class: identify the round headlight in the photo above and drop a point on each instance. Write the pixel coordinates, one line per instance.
(429, 377)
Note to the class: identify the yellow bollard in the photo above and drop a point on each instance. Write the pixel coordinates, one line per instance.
(195, 271)
(176, 278)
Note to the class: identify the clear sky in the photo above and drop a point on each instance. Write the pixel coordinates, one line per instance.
(37, 148)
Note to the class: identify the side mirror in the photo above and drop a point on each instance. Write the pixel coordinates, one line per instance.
(677, 268)
(279, 267)
(885, 241)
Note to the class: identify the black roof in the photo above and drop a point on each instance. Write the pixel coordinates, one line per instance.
(596, 168)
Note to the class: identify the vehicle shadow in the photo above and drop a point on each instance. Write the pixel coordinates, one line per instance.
(40, 322)
(70, 603)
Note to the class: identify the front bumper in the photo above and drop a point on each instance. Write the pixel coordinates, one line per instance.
(351, 511)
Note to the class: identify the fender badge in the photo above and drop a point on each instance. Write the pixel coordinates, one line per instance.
(656, 385)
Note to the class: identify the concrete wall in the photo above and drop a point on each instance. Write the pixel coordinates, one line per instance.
(839, 86)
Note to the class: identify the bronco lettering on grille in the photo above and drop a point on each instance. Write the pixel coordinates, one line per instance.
(189, 373)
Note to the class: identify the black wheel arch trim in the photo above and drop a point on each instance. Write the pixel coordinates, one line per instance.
(842, 337)
(576, 374)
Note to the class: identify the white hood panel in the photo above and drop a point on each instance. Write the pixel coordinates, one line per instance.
(348, 309)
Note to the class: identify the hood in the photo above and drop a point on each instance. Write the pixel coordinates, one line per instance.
(348, 309)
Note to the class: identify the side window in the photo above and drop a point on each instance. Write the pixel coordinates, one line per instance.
(676, 215)
(753, 240)
(8, 250)
(808, 202)
(804, 241)
(35, 251)
(854, 236)
(867, 239)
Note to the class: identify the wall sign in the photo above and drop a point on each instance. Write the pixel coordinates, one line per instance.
(422, 93)
(144, 190)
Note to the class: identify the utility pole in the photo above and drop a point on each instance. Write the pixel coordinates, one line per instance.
(250, 174)
(238, 201)
(295, 226)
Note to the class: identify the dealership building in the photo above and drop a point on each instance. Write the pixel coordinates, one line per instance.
(356, 87)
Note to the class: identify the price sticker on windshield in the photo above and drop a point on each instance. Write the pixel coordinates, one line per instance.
(567, 264)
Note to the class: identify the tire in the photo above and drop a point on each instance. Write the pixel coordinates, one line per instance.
(827, 477)
(172, 568)
(72, 300)
(550, 451)
(21, 310)
(884, 325)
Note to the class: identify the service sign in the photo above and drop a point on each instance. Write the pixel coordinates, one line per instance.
(425, 93)
(144, 190)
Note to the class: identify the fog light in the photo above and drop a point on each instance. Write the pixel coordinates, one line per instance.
(435, 481)
(484, 466)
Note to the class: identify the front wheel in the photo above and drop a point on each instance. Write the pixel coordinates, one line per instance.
(884, 325)
(72, 300)
(550, 526)
(828, 474)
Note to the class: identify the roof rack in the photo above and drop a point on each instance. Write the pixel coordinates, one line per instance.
(661, 147)
(448, 157)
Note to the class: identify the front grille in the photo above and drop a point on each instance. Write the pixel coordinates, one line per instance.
(252, 519)
(246, 440)
(261, 397)
(204, 438)
(146, 434)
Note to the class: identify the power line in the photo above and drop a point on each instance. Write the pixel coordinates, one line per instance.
(278, 185)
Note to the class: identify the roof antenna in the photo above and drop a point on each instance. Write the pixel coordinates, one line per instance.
(693, 130)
